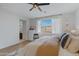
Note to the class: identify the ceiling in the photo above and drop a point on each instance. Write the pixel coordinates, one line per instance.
(22, 9)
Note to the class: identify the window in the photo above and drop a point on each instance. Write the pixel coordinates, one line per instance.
(46, 26)
(49, 26)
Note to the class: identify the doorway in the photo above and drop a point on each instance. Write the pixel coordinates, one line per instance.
(22, 30)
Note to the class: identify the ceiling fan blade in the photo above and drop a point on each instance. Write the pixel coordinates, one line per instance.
(39, 8)
(31, 9)
(41, 4)
(31, 3)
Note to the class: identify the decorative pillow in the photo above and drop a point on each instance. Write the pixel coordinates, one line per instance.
(62, 36)
(67, 42)
(64, 40)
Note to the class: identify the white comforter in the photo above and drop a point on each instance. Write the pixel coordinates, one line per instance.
(31, 48)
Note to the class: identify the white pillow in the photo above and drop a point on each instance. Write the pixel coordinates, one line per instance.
(74, 45)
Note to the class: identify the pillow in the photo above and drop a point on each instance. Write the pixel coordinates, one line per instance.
(67, 43)
(62, 36)
(64, 40)
(74, 44)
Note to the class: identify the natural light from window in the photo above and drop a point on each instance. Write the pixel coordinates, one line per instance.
(50, 25)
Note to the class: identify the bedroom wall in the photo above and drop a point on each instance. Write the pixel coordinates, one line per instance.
(27, 28)
(9, 29)
(33, 22)
(77, 19)
(30, 33)
(68, 21)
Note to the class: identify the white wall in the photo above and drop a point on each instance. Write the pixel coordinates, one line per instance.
(27, 25)
(77, 19)
(69, 19)
(9, 29)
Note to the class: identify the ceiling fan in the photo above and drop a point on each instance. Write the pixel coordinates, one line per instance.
(36, 5)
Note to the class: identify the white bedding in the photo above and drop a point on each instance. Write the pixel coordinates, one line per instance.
(64, 52)
(31, 48)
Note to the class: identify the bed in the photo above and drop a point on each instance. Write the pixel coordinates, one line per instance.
(66, 52)
(45, 46)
